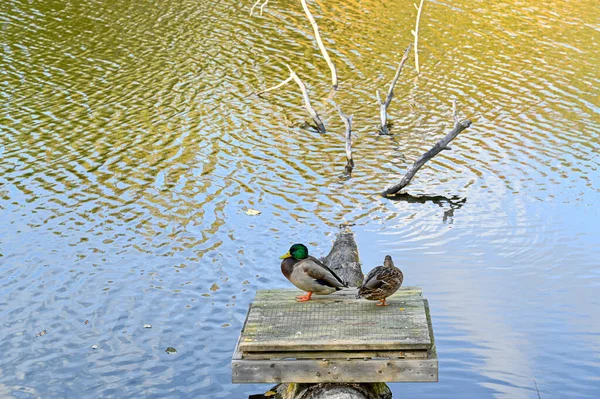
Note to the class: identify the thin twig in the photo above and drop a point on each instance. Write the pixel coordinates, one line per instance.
(423, 159)
(258, 93)
(307, 105)
(416, 33)
(261, 7)
(348, 123)
(383, 105)
(315, 27)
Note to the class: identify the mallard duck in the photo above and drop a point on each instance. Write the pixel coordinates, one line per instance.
(308, 273)
(382, 282)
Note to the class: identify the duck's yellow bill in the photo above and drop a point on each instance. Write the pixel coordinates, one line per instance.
(287, 255)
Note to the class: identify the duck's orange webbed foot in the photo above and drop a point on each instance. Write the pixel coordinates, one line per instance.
(381, 303)
(304, 298)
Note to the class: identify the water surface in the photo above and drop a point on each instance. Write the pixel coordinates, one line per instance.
(131, 147)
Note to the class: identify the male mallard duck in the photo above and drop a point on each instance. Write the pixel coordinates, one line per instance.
(381, 282)
(308, 273)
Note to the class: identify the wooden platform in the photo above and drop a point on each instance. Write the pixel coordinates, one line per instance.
(336, 338)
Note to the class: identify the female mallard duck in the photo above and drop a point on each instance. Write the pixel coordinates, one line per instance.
(308, 273)
(381, 282)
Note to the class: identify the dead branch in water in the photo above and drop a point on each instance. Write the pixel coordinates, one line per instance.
(383, 106)
(416, 33)
(348, 123)
(261, 7)
(307, 105)
(315, 27)
(441, 145)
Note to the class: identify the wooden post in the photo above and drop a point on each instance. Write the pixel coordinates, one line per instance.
(334, 391)
(345, 263)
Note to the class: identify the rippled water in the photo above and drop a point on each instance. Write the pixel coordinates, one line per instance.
(131, 147)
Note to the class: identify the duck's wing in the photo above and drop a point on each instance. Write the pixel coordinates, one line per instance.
(320, 272)
(375, 279)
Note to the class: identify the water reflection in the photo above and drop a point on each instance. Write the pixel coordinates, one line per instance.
(451, 203)
(130, 148)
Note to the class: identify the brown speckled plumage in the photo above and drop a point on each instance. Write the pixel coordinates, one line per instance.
(382, 281)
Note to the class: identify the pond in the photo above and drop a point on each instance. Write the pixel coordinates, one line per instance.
(132, 147)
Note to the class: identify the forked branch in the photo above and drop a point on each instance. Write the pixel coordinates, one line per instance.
(315, 27)
(307, 105)
(261, 7)
(383, 105)
(441, 145)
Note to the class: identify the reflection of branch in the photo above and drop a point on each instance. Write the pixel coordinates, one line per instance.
(315, 27)
(416, 33)
(261, 7)
(436, 149)
(309, 108)
(348, 122)
(453, 202)
(383, 106)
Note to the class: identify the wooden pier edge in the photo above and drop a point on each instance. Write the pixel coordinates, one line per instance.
(335, 368)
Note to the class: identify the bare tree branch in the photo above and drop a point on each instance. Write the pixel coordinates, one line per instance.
(309, 108)
(441, 145)
(383, 105)
(348, 123)
(315, 27)
(258, 93)
(261, 7)
(307, 105)
(416, 33)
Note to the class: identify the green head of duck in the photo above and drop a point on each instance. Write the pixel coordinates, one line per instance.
(297, 251)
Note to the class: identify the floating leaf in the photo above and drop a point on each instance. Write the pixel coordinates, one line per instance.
(214, 287)
(401, 308)
(86, 322)
(252, 212)
(170, 350)
(40, 333)
(147, 326)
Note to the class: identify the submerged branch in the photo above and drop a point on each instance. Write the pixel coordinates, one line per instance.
(258, 93)
(309, 108)
(383, 105)
(307, 105)
(348, 123)
(441, 145)
(261, 7)
(416, 34)
(315, 27)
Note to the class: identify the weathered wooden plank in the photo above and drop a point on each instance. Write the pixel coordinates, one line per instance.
(315, 371)
(276, 322)
(417, 354)
(432, 352)
(289, 294)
